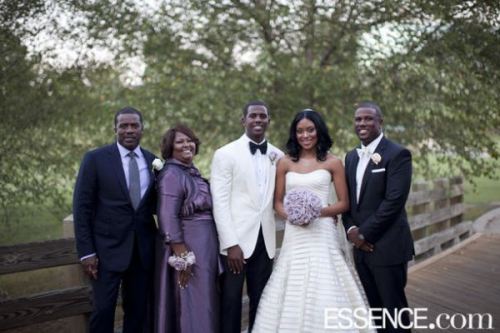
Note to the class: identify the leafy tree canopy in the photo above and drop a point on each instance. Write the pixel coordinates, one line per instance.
(66, 66)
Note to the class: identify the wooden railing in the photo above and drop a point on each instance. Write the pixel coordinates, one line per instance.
(435, 212)
(55, 304)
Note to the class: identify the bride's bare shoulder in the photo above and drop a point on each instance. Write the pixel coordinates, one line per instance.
(284, 162)
(333, 161)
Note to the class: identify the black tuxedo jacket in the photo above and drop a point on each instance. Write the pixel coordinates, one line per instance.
(104, 218)
(380, 213)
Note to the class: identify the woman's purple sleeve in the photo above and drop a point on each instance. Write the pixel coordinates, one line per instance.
(170, 198)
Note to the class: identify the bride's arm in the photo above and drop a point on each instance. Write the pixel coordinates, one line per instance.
(279, 189)
(338, 175)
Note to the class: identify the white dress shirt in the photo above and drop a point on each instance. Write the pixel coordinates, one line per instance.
(141, 163)
(364, 159)
(259, 163)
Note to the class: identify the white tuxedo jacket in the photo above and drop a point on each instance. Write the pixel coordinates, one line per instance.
(239, 209)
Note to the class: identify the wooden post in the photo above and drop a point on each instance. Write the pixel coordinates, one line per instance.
(421, 208)
(456, 197)
(74, 276)
(442, 186)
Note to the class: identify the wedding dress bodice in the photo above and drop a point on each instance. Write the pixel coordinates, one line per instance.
(318, 181)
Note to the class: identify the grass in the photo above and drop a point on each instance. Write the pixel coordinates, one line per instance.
(482, 197)
(478, 198)
(23, 225)
(30, 224)
(486, 191)
(485, 195)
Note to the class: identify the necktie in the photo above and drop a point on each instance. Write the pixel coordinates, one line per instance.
(134, 180)
(262, 147)
(363, 152)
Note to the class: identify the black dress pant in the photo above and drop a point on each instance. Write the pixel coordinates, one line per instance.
(384, 287)
(135, 285)
(257, 271)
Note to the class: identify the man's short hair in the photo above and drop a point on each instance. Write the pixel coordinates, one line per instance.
(371, 105)
(252, 103)
(128, 110)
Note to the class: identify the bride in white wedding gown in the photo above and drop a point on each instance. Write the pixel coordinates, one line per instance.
(311, 280)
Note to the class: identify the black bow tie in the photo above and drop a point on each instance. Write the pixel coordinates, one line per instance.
(262, 147)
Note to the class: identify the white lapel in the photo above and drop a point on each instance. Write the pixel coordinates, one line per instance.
(247, 166)
(271, 174)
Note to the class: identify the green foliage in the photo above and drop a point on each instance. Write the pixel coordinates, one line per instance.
(483, 195)
(431, 65)
(31, 224)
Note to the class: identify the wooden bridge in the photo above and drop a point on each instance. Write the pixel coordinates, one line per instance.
(457, 283)
(455, 271)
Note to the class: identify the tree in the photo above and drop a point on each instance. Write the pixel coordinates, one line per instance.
(439, 58)
(431, 65)
(41, 109)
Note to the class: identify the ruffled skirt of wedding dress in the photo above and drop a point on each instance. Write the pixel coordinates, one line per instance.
(311, 277)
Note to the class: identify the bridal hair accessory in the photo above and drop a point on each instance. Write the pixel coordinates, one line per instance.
(182, 262)
(302, 206)
(157, 164)
(273, 156)
(376, 158)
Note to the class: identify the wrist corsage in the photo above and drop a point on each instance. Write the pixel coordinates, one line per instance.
(182, 262)
(302, 206)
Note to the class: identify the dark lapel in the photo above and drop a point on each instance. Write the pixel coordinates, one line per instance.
(353, 166)
(116, 164)
(368, 172)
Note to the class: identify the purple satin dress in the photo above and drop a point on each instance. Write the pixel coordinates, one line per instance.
(195, 308)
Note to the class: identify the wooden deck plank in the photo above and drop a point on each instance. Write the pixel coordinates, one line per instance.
(459, 304)
(455, 281)
(473, 279)
(465, 281)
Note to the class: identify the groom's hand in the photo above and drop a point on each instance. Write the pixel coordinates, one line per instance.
(354, 236)
(358, 240)
(235, 259)
(367, 247)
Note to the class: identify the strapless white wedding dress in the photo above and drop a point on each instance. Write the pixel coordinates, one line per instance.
(311, 274)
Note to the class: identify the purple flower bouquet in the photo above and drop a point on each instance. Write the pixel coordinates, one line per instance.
(302, 206)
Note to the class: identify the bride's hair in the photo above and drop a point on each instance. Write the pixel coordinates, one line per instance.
(324, 139)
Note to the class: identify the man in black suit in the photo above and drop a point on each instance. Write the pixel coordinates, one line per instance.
(113, 206)
(379, 178)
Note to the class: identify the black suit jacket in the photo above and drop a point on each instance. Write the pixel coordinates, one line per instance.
(104, 218)
(380, 213)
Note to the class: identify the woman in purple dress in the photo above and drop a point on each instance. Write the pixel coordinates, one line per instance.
(186, 297)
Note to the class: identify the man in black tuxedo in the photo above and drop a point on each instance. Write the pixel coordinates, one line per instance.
(113, 206)
(379, 178)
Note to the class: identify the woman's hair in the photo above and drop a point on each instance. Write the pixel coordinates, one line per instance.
(324, 140)
(167, 141)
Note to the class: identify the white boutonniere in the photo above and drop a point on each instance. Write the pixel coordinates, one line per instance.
(157, 164)
(272, 157)
(376, 158)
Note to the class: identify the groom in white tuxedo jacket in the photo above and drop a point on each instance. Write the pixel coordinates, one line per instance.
(242, 186)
